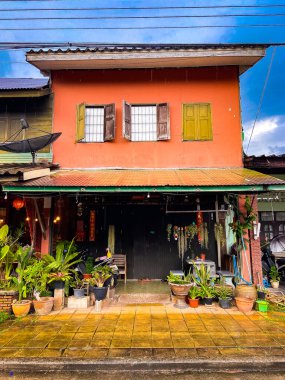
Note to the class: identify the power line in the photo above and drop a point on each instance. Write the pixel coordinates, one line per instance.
(143, 8)
(261, 97)
(148, 27)
(141, 17)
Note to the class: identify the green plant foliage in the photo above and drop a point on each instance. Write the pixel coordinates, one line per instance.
(61, 265)
(243, 223)
(175, 279)
(89, 265)
(23, 256)
(274, 275)
(4, 316)
(98, 278)
(201, 276)
(36, 276)
(194, 292)
(8, 252)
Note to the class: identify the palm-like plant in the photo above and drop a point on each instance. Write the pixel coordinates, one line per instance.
(98, 278)
(8, 252)
(61, 265)
(23, 256)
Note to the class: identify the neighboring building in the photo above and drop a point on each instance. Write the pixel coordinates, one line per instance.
(271, 206)
(29, 99)
(151, 134)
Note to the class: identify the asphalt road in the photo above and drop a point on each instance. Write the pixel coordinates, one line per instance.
(238, 375)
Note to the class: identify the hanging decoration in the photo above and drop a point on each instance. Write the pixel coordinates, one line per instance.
(18, 203)
(183, 235)
(220, 234)
(169, 229)
(204, 236)
(92, 225)
(199, 222)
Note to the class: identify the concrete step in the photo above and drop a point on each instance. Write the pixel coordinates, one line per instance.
(144, 298)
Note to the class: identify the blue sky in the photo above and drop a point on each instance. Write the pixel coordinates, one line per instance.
(269, 132)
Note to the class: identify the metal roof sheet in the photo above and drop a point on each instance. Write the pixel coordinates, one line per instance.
(71, 48)
(23, 83)
(131, 178)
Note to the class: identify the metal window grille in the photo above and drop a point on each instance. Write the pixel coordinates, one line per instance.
(94, 124)
(144, 124)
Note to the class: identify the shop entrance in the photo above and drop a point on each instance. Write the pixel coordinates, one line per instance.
(137, 230)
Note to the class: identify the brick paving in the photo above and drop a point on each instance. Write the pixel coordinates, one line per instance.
(144, 332)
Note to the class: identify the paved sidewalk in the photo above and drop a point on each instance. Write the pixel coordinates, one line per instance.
(145, 333)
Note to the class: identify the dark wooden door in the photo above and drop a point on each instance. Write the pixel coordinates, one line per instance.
(151, 256)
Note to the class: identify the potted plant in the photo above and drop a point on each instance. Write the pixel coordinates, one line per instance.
(224, 293)
(36, 277)
(193, 296)
(179, 287)
(207, 294)
(274, 277)
(97, 281)
(201, 276)
(89, 266)
(61, 265)
(78, 287)
(8, 249)
(21, 307)
(261, 292)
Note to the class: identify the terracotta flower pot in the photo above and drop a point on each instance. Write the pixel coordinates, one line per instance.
(244, 304)
(194, 303)
(180, 291)
(43, 306)
(87, 276)
(21, 308)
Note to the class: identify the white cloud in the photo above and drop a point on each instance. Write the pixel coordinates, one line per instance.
(268, 136)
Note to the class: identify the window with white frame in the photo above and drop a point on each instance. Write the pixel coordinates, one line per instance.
(146, 122)
(95, 123)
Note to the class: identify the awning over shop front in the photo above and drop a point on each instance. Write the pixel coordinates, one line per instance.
(166, 180)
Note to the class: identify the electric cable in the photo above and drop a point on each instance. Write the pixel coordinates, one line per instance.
(148, 27)
(262, 96)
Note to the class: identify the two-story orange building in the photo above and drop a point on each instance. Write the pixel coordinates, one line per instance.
(151, 143)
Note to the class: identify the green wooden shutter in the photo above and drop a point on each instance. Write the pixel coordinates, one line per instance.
(204, 130)
(197, 123)
(80, 122)
(189, 122)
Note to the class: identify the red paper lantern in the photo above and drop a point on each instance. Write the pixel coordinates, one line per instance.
(18, 203)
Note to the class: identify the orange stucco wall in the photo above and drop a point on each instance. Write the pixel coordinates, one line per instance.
(217, 85)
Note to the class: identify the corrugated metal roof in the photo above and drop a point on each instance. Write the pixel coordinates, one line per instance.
(152, 178)
(141, 47)
(23, 83)
(15, 169)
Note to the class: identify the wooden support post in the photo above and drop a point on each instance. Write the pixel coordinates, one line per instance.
(218, 242)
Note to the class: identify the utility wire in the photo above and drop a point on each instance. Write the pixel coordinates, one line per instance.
(142, 8)
(148, 27)
(141, 17)
(261, 97)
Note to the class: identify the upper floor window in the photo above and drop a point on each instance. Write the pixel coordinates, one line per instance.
(266, 216)
(95, 123)
(146, 122)
(197, 122)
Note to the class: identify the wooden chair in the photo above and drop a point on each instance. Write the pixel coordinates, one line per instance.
(121, 262)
